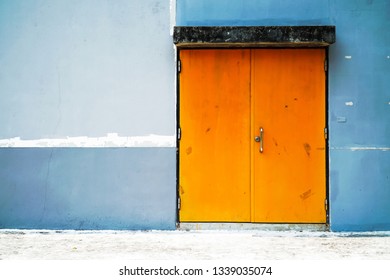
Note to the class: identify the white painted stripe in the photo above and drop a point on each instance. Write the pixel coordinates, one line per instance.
(172, 8)
(111, 140)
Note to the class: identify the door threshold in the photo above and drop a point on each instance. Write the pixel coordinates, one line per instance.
(250, 226)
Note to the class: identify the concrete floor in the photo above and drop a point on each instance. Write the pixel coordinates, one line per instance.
(192, 245)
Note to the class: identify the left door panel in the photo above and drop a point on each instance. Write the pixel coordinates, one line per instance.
(214, 154)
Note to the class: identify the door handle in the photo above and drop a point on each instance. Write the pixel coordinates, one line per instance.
(260, 139)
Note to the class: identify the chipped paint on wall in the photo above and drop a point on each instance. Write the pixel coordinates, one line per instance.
(111, 140)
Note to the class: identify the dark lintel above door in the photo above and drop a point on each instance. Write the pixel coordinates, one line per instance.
(253, 36)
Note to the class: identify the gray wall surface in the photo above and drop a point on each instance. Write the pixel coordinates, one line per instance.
(86, 68)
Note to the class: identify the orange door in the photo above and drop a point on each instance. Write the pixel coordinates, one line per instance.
(214, 152)
(226, 98)
(289, 175)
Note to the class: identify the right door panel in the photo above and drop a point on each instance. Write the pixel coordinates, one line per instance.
(288, 104)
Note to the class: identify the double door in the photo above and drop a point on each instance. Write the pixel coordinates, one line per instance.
(252, 145)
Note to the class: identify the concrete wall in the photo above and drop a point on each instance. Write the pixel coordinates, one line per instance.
(87, 111)
(96, 78)
(86, 68)
(359, 99)
(88, 188)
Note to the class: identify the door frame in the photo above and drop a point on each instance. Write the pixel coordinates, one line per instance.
(178, 129)
(250, 37)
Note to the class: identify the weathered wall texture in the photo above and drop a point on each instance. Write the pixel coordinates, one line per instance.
(87, 188)
(78, 78)
(359, 99)
(86, 68)
(87, 76)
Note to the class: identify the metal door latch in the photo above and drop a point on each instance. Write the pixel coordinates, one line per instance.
(260, 140)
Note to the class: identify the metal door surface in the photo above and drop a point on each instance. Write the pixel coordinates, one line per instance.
(252, 145)
(214, 179)
(288, 113)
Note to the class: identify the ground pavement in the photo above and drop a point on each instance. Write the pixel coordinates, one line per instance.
(192, 245)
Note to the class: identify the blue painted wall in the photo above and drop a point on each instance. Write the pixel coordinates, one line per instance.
(359, 99)
(360, 190)
(252, 12)
(88, 188)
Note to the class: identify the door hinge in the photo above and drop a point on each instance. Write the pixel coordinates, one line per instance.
(326, 204)
(179, 66)
(326, 65)
(326, 133)
(178, 203)
(178, 133)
